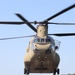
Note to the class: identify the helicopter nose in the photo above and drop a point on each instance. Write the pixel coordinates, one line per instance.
(42, 47)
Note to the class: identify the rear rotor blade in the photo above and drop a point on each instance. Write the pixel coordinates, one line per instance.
(61, 12)
(22, 18)
(63, 34)
(61, 23)
(2, 22)
(16, 37)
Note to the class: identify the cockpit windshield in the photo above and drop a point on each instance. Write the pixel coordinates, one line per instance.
(42, 40)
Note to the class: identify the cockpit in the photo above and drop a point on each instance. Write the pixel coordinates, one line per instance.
(43, 43)
(42, 40)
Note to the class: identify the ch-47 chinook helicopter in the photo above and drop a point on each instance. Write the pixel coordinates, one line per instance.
(41, 56)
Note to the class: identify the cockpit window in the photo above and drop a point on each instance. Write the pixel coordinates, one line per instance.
(42, 40)
(36, 40)
(48, 40)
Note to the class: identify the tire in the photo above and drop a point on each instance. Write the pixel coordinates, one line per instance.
(25, 71)
(58, 71)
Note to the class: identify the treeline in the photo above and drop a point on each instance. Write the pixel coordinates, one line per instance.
(71, 74)
(68, 74)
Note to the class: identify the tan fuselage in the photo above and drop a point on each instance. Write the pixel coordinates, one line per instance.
(34, 60)
(38, 60)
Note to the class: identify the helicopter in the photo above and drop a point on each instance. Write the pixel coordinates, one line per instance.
(41, 55)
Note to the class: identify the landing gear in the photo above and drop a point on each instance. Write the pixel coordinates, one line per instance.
(56, 71)
(26, 71)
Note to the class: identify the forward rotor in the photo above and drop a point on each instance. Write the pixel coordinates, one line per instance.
(45, 22)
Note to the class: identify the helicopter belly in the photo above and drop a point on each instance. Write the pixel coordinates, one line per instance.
(42, 67)
(41, 63)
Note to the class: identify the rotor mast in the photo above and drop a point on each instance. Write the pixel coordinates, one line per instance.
(42, 31)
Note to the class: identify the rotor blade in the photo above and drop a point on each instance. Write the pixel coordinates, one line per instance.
(61, 23)
(16, 37)
(2, 22)
(63, 34)
(61, 12)
(22, 18)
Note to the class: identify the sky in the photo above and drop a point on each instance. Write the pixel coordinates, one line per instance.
(12, 51)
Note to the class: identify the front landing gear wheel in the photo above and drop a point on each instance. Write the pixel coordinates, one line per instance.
(56, 71)
(26, 71)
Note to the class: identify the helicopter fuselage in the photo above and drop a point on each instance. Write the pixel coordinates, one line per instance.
(41, 56)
